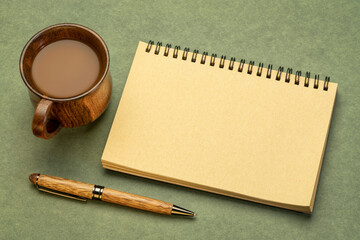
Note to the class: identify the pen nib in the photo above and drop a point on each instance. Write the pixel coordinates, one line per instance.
(176, 210)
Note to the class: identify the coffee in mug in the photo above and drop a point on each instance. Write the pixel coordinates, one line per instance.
(65, 68)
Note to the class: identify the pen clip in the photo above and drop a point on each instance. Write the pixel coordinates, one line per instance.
(68, 195)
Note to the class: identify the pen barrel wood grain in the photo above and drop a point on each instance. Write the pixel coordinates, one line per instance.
(66, 186)
(135, 201)
(85, 190)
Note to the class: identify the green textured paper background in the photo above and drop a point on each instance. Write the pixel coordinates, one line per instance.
(317, 36)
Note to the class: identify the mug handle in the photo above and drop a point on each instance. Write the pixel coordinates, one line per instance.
(42, 125)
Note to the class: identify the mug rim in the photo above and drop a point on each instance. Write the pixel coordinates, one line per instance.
(101, 79)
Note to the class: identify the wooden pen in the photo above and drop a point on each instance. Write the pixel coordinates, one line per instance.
(83, 191)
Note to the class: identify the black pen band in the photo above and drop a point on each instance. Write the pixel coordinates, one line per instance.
(37, 179)
(97, 192)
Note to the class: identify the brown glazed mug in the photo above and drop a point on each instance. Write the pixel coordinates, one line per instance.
(53, 113)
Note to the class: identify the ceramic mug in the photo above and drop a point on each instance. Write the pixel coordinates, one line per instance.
(51, 114)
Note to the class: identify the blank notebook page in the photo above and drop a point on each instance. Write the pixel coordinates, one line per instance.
(221, 130)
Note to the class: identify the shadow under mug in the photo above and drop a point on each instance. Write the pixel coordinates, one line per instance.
(53, 113)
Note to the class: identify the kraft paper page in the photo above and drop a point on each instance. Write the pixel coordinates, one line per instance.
(221, 130)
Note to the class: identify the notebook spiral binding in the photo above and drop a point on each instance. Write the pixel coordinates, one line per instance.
(251, 64)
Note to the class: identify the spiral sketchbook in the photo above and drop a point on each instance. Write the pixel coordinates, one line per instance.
(223, 126)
